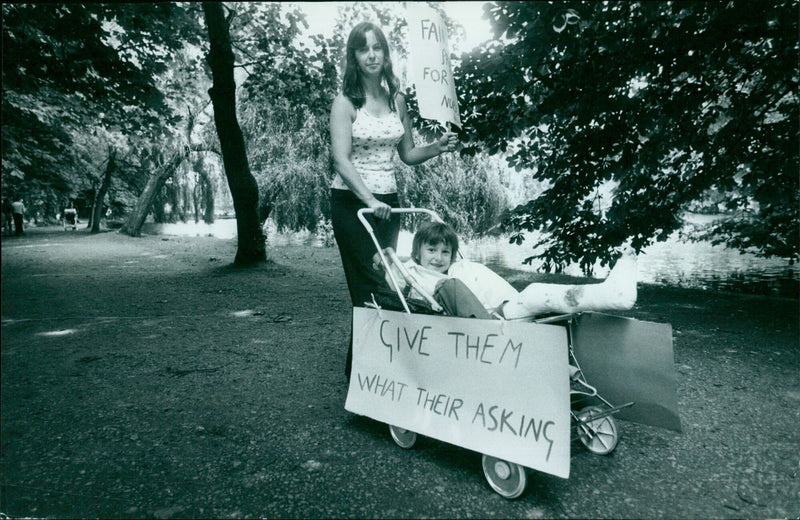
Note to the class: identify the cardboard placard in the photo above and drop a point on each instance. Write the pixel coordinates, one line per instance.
(430, 67)
(495, 387)
(630, 360)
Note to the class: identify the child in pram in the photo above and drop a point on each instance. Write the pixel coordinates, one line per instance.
(469, 289)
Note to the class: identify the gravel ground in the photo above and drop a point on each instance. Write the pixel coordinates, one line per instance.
(146, 378)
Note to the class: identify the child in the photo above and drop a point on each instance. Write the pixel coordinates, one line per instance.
(470, 289)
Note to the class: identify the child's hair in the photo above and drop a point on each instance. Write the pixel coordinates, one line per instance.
(434, 233)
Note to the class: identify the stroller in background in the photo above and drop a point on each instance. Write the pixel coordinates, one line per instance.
(70, 218)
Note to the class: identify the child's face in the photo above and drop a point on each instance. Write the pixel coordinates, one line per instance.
(436, 257)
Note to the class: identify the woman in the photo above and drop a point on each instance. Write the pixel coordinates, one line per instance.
(369, 120)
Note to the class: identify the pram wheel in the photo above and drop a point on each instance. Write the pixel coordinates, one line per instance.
(404, 438)
(597, 430)
(506, 478)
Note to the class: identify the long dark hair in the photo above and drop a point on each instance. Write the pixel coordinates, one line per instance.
(351, 83)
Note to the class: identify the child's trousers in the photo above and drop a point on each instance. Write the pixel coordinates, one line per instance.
(457, 300)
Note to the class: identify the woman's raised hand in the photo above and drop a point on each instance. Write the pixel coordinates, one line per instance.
(448, 142)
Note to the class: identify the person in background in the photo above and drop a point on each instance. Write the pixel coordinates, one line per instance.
(8, 216)
(19, 213)
(369, 121)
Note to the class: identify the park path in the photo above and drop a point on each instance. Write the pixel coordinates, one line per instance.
(147, 378)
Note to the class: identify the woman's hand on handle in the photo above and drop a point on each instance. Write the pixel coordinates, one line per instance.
(381, 209)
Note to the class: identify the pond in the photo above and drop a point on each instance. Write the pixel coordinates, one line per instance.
(699, 265)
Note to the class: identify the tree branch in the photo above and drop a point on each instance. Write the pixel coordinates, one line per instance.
(774, 101)
(204, 149)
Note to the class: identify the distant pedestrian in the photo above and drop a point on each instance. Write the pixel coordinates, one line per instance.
(8, 216)
(19, 211)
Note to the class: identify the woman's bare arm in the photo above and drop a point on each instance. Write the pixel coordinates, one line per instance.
(411, 154)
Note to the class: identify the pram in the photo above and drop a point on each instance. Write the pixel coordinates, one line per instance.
(70, 218)
(591, 415)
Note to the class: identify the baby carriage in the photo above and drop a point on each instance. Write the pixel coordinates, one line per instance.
(70, 219)
(573, 400)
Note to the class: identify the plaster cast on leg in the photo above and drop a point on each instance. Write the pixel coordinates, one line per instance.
(616, 292)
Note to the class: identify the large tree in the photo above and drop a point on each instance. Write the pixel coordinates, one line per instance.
(244, 190)
(666, 101)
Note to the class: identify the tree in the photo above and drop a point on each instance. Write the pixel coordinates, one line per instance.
(665, 100)
(71, 70)
(244, 190)
(165, 160)
(163, 166)
(284, 107)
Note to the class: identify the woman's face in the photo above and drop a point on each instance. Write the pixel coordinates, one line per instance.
(370, 56)
(436, 257)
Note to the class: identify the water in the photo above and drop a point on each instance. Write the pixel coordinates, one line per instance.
(697, 265)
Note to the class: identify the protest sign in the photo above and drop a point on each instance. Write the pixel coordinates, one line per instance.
(630, 360)
(430, 68)
(495, 387)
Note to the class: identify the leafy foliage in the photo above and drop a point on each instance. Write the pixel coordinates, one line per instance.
(284, 72)
(284, 113)
(466, 192)
(291, 163)
(666, 101)
(71, 71)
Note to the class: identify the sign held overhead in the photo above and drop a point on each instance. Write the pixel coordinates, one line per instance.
(431, 71)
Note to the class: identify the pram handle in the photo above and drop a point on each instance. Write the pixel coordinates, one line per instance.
(363, 211)
(432, 214)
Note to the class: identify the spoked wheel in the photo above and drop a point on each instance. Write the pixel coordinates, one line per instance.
(404, 438)
(506, 478)
(597, 430)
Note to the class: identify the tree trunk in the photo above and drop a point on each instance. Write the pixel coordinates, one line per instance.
(196, 198)
(100, 195)
(133, 226)
(204, 194)
(244, 190)
(207, 194)
(186, 200)
(91, 210)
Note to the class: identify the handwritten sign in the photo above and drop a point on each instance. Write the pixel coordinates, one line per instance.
(495, 387)
(431, 71)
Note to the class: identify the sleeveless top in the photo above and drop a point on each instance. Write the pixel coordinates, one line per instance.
(373, 144)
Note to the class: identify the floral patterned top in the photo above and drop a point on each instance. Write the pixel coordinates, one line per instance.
(374, 141)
